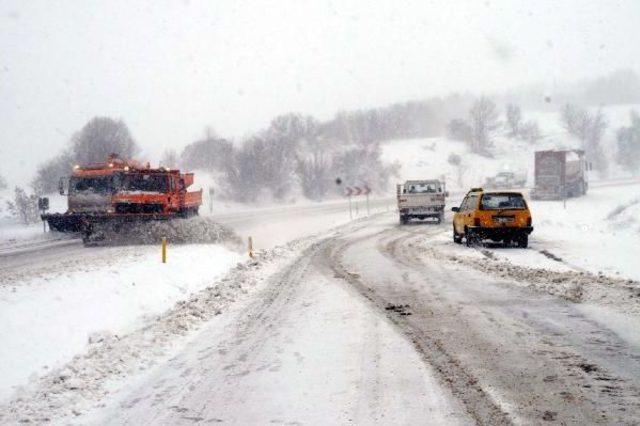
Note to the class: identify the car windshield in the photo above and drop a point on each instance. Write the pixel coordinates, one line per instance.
(502, 201)
(146, 182)
(95, 184)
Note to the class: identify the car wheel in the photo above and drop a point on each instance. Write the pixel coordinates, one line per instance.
(470, 239)
(457, 238)
(523, 241)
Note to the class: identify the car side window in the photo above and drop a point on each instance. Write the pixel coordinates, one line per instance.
(463, 205)
(472, 201)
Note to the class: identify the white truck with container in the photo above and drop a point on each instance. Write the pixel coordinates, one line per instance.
(421, 199)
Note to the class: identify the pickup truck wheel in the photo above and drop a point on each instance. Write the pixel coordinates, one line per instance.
(523, 241)
(403, 220)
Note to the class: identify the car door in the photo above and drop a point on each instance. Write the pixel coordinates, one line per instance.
(471, 205)
(458, 217)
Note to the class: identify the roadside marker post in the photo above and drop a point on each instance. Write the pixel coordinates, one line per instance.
(367, 191)
(348, 192)
(357, 191)
(250, 247)
(164, 249)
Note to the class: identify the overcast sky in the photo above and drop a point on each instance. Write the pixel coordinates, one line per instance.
(170, 68)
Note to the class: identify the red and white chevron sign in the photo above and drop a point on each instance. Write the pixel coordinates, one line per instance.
(356, 190)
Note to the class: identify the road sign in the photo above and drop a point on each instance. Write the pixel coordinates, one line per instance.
(356, 190)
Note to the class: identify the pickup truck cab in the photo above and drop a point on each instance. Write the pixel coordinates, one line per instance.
(497, 216)
(421, 199)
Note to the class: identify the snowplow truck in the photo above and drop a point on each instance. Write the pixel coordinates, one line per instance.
(117, 192)
(560, 174)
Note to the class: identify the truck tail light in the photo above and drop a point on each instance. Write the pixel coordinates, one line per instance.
(529, 221)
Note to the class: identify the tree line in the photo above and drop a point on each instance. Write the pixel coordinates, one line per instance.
(299, 155)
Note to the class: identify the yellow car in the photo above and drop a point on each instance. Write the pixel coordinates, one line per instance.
(498, 216)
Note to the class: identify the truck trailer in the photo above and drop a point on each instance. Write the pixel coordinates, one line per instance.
(560, 174)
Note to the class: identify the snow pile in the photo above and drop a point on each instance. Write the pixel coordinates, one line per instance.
(196, 230)
(576, 286)
(71, 389)
(626, 216)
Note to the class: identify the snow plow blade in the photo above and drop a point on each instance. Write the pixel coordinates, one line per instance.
(65, 222)
(99, 227)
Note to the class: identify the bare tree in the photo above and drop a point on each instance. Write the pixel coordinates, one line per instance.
(530, 132)
(314, 171)
(363, 166)
(170, 159)
(460, 130)
(593, 143)
(212, 154)
(483, 117)
(49, 173)
(514, 120)
(589, 129)
(24, 207)
(99, 138)
(628, 139)
(576, 121)
(456, 161)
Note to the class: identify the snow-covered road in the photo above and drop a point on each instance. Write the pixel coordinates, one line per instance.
(359, 322)
(305, 350)
(366, 325)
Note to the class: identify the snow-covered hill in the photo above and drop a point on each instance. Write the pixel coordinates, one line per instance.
(426, 158)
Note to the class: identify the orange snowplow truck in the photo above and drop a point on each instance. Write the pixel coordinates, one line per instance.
(122, 191)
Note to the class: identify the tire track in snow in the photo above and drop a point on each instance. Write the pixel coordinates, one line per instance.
(588, 371)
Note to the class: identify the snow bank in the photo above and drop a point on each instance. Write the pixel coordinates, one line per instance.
(48, 318)
(195, 230)
(116, 351)
(626, 217)
(576, 286)
(597, 233)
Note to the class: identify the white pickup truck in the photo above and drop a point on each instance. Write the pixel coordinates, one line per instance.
(421, 199)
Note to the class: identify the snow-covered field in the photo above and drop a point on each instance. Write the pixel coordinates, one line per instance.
(52, 309)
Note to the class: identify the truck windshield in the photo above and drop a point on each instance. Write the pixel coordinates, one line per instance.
(502, 201)
(419, 188)
(95, 184)
(148, 182)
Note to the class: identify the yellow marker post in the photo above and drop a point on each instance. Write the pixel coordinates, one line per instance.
(164, 249)
(251, 247)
